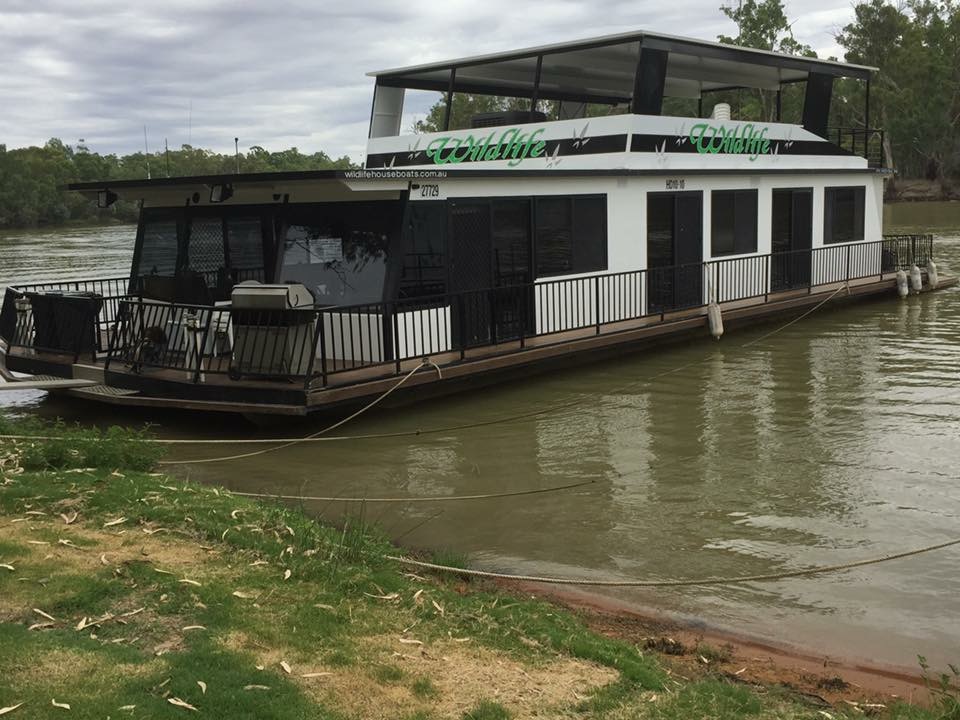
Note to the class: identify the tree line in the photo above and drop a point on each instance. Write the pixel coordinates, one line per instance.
(32, 178)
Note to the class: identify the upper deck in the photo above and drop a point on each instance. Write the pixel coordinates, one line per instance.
(600, 104)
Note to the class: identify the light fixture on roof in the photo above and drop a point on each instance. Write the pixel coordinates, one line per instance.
(221, 193)
(106, 198)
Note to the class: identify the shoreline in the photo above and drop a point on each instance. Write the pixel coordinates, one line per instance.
(765, 660)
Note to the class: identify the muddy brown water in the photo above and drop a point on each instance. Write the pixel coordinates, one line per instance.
(834, 440)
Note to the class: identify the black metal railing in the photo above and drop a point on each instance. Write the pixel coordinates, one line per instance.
(314, 346)
(72, 317)
(863, 142)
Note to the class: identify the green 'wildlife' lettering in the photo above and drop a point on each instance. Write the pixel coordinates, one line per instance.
(741, 140)
(512, 145)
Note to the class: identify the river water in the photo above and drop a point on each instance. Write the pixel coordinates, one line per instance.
(835, 440)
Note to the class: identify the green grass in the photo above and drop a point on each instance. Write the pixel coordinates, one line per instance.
(487, 710)
(311, 598)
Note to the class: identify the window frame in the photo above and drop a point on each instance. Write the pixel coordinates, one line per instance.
(859, 214)
(604, 234)
(755, 225)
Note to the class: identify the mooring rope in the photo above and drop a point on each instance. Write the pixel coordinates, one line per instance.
(421, 499)
(671, 583)
(327, 429)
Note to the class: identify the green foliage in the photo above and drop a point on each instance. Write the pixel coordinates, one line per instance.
(916, 96)
(709, 698)
(77, 447)
(32, 178)
(944, 688)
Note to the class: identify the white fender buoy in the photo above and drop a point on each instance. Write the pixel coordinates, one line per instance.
(916, 279)
(902, 288)
(715, 319)
(933, 277)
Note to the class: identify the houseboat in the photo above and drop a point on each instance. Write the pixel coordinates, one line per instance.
(588, 221)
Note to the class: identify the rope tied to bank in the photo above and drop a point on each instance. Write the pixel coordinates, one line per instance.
(671, 583)
(369, 406)
(426, 499)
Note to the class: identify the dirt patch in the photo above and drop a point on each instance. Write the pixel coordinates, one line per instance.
(68, 668)
(815, 680)
(461, 675)
(79, 548)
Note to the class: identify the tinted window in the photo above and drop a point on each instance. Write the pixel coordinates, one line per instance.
(424, 271)
(245, 243)
(571, 235)
(733, 226)
(843, 214)
(158, 253)
(339, 250)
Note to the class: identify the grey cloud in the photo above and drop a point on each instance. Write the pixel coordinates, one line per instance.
(279, 74)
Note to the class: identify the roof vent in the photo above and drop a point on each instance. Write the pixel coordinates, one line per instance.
(506, 117)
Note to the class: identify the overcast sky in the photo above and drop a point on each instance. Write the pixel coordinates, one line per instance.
(282, 74)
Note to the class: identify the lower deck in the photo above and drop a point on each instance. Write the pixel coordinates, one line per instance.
(205, 382)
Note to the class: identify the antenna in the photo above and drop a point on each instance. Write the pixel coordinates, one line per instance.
(166, 152)
(236, 150)
(146, 151)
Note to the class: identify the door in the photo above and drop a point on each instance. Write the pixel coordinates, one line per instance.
(470, 271)
(674, 250)
(792, 238)
(490, 270)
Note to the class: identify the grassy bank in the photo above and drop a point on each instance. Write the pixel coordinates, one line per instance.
(124, 593)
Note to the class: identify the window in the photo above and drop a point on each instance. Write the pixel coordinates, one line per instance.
(843, 214)
(339, 250)
(245, 243)
(733, 224)
(571, 234)
(158, 249)
(424, 270)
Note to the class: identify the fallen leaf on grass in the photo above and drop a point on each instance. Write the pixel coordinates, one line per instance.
(410, 641)
(203, 686)
(242, 595)
(112, 523)
(287, 574)
(16, 520)
(286, 667)
(103, 559)
(162, 572)
(68, 543)
(133, 612)
(63, 706)
(7, 567)
(69, 519)
(34, 512)
(316, 674)
(41, 613)
(439, 607)
(4, 711)
(187, 581)
(324, 606)
(180, 703)
(194, 627)
(391, 596)
(256, 687)
(258, 563)
(82, 624)
(235, 513)
(40, 626)
(129, 708)
(154, 531)
(37, 542)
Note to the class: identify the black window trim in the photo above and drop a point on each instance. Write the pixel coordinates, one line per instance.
(828, 220)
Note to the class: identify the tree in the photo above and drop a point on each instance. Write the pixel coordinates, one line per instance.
(764, 25)
(916, 47)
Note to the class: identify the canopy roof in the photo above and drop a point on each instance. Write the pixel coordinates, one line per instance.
(603, 69)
